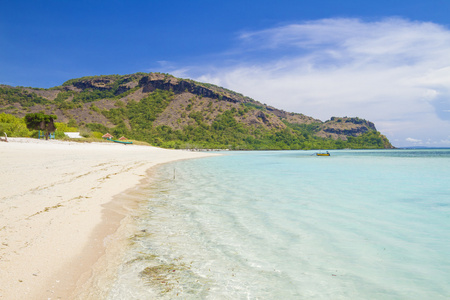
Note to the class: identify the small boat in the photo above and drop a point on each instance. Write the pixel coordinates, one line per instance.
(323, 154)
(123, 142)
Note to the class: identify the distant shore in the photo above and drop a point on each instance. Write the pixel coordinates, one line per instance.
(61, 205)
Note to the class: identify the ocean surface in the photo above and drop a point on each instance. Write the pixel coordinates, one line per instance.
(367, 224)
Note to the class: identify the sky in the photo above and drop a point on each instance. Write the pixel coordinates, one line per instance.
(387, 61)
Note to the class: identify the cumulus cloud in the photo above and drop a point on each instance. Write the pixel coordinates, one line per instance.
(393, 72)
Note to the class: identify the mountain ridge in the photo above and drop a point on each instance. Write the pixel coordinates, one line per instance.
(176, 111)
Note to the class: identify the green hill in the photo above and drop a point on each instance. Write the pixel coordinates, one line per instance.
(180, 113)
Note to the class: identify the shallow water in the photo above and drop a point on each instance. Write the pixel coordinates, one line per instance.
(291, 225)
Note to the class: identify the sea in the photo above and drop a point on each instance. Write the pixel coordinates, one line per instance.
(359, 224)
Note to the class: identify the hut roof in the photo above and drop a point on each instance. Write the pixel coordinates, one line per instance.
(107, 135)
(122, 138)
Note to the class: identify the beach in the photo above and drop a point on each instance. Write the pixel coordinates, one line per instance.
(64, 210)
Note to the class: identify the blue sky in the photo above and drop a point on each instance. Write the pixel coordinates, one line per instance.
(386, 61)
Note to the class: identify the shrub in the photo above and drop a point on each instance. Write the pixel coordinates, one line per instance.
(13, 126)
(62, 127)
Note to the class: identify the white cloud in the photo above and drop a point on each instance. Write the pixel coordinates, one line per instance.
(393, 72)
(413, 140)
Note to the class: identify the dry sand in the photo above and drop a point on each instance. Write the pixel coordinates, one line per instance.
(57, 214)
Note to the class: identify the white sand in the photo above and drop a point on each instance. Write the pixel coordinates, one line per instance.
(57, 213)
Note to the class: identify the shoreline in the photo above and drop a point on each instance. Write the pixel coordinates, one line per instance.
(115, 230)
(64, 211)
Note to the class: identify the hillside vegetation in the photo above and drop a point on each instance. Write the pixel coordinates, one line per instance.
(179, 113)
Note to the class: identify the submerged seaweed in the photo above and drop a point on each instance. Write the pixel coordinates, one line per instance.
(174, 279)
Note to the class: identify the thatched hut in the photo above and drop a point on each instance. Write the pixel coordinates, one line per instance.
(107, 136)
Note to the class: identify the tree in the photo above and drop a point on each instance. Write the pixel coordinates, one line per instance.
(40, 121)
(72, 123)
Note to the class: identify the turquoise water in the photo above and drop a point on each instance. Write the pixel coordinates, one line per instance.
(290, 225)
